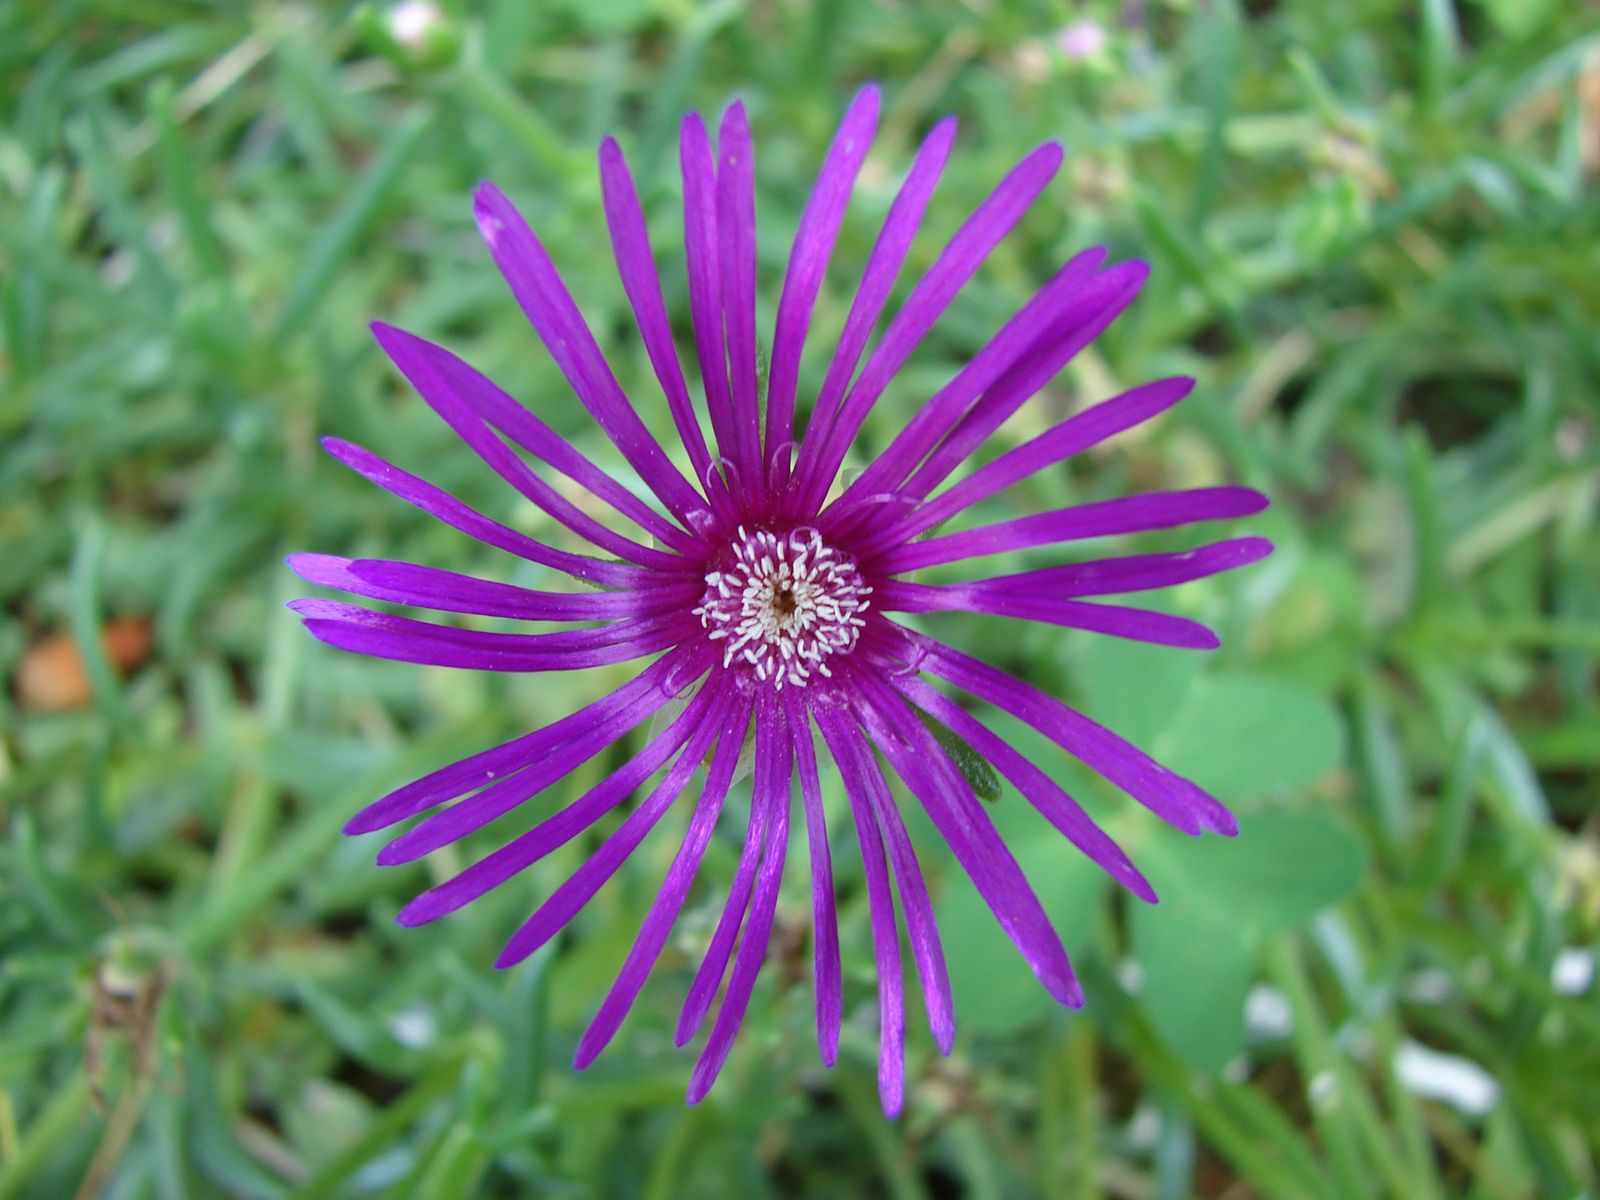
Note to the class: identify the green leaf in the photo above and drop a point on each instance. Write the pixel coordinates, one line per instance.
(1133, 688)
(1196, 964)
(1282, 869)
(1222, 896)
(1244, 736)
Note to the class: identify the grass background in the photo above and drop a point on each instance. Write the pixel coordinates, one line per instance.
(1373, 227)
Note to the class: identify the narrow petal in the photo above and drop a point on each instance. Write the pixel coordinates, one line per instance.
(527, 268)
(1074, 295)
(703, 988)
(568, 900)
(877, 280)
(808, 263)
(772, 792)
(555, 831)
(1170, 796)
(1135, 624)
(736, 229)
(674, 889)
(1051, 801)
(824, 915)
(446, 591)
(856, 768)
(538, 439)
(703, 257)
(470, 401)
(1137, 572)
(959, 817)
(440, 504)
(1057, 349)
(474, 812)
(1103, 518)
(981, 233)
(380, 635)
(630, 241)
(921, 928)
(1072, 436)
(486, 766)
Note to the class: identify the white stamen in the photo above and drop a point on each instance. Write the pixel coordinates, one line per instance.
(785, 604)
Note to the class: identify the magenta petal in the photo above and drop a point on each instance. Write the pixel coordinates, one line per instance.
(555, 831)
(1135, 624)
(736, 229)
(1060, 809)
(877, 280)
(440, 504)
(808, 262)
(568, 900)
(703, 988)
(496, 762)
(959, 817)
(1135, 572)
(380, 635)
(1073, 436)
(1059, 347)
(981, 233)
(630, 241)
(475, 811)
(527, 268)
(772, 791)
(1170, 796)
(457, 393)
(856, 768)
(703, 258)
(446, 591)
(493, 405)
(674, 889)
(824, 915)
(1103, 518)
(921, 928)
(1073, 295)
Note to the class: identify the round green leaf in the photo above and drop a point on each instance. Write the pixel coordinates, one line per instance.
(1195, 967)
(1196, 951)
(1242, 736)
(1282, 869)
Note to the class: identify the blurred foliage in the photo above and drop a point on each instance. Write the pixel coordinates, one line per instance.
(1374, 231)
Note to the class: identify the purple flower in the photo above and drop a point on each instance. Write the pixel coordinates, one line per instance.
(769, 603)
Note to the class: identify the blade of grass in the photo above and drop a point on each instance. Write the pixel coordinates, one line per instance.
(333, 246)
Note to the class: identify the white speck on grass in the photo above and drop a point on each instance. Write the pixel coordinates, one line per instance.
(1323, 1090)
(1458, 1082)
(1429, 986)
(410, 22)
(414, 1027)
(1131, 976)
(1572, 974)
(1144, 1128)
(1267, 1015)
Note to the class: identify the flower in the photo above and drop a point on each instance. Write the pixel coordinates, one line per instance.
(768, 604)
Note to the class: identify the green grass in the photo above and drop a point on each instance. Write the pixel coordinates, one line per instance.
(1373, 228)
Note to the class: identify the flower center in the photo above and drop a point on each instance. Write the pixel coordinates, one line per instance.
(786, 604)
